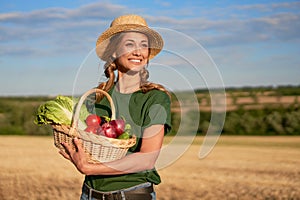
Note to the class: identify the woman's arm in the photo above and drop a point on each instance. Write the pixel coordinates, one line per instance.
(143, 160)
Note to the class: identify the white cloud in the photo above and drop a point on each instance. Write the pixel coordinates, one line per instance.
(62, 37)
(269, 7)
(63, 28)
(58, 28)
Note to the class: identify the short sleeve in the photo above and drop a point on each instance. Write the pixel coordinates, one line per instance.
(159, 111)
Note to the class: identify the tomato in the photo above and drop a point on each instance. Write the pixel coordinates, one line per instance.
(93, 120)
(91, 129)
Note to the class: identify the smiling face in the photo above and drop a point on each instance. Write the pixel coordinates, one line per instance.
(132, 53)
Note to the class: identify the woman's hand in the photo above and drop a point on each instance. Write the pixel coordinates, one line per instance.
(77, 156)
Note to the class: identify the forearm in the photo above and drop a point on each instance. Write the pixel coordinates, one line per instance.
(143, 160)
(129, 164)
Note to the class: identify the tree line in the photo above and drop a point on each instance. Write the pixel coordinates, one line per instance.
(264, 121)
(17, 115)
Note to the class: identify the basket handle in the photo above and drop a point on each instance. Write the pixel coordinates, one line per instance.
(80, 102)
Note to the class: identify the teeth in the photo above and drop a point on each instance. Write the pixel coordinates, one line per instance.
(137, 61)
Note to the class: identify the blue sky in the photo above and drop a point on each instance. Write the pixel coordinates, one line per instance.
(46, 47)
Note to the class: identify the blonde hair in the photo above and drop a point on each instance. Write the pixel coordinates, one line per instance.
(110, 66)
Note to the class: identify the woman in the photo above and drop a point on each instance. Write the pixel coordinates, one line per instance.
(127, 46)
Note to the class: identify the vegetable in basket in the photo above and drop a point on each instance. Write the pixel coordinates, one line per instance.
(116, 128)
(60, 111)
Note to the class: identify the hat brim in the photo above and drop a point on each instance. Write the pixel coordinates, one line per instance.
(155, 40)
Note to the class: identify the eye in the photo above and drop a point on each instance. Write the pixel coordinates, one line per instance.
(144, 45)
(129, 44)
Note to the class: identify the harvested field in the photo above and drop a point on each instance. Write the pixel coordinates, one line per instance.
(238, 168)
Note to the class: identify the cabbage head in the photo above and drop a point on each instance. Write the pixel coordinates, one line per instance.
(60, 111)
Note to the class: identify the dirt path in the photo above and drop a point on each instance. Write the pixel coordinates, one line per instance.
(238, 168)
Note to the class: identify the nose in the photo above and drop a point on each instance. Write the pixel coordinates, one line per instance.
(136, 51)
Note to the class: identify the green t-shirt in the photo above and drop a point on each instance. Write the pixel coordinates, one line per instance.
(140, 110)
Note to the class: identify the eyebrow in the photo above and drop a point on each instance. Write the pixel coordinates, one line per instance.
(132, 40)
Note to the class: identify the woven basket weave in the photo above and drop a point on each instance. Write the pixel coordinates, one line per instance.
(98, 148)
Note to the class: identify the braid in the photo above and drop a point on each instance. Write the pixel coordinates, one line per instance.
(110, 67)
(144, 74)
(146, 86)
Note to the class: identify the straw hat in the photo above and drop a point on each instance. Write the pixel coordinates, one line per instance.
(129, 23)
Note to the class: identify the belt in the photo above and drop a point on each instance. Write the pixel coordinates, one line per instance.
(134, 193)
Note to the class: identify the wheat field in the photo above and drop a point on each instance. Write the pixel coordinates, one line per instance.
(239, 167)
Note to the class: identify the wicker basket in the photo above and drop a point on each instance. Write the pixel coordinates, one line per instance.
(98, 148)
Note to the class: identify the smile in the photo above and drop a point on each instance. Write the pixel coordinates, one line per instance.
(135, 60)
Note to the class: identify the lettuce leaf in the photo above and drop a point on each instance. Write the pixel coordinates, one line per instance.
(60, 111)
